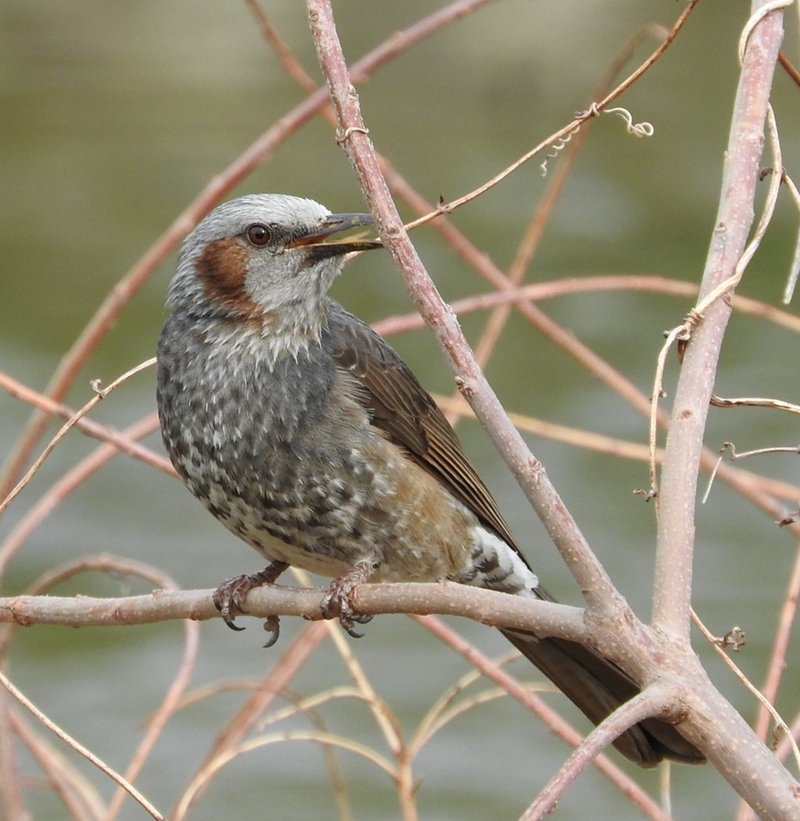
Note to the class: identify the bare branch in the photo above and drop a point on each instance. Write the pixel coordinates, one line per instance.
(487, 606)
(594, 582)
(85, 752)
(652, 701)
(673, 578)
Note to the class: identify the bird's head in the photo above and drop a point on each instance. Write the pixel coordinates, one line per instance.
(265, 259)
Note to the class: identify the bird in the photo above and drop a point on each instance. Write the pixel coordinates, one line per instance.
(305, 434)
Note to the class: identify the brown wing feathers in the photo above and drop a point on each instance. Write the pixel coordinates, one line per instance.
(409, 417)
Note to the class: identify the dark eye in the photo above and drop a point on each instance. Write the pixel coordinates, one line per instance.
(259, 234)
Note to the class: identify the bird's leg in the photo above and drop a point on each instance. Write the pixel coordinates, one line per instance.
(338, 602)
(229, 597)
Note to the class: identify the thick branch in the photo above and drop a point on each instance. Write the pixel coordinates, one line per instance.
(749, 766)
(673, 576)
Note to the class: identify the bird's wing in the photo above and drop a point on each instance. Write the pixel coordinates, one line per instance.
(408, 416)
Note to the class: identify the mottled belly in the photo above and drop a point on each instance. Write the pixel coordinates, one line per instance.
(396, 516)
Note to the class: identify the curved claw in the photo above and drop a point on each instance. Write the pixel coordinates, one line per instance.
(229, 598)
(272, 624)
(350, 630)
(337, 600)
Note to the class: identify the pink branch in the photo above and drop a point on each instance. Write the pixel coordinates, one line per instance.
(634, 711)
(600, 594)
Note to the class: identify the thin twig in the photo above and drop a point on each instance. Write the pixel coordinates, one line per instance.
(286, 667)
(169, 704)
(101, 393)
(78, 747)
(780, 653)
(567, 130)
(642, 706)
(87, 426)
(745, 682)
(64, 486)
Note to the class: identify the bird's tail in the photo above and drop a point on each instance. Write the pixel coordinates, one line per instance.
(598, 687)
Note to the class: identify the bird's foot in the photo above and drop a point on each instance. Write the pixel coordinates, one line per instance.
(338, 599)
(229, 598)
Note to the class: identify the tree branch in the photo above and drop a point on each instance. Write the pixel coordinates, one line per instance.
(642, 651)
(446, 598)
(597, 588)
(652, 701)
(675, 542)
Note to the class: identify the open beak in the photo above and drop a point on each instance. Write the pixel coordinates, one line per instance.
(321, 243)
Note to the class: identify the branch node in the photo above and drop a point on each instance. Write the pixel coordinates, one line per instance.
(735, 638)
(646, 494)
(464, 388)
(342, 136)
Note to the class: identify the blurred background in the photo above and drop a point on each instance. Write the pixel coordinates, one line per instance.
(114, 117)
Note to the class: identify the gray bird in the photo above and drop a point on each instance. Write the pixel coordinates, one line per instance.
(306, 435)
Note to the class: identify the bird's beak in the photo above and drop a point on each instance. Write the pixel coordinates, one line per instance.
(321, 243)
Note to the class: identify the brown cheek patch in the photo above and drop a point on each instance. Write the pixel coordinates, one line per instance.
(221, 270)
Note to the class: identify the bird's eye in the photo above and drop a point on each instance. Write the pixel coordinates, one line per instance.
(259, 234)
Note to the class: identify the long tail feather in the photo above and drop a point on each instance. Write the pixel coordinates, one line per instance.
(598, 687)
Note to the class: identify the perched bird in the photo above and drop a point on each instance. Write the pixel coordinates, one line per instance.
(306, 435)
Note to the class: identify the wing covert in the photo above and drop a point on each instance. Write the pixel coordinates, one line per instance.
(407, 415)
